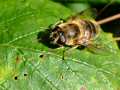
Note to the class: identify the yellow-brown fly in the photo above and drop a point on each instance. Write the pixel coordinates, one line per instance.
(77, 32)
(74, 31)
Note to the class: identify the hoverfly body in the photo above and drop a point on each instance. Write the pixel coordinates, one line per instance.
(74, 31)
(77, 32)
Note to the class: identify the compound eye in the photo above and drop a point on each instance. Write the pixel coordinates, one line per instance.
(62, 36)
(73, 31)
(61, 33)
(61, 39)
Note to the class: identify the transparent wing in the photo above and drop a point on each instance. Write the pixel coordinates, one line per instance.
(88, 13)
(101, 49)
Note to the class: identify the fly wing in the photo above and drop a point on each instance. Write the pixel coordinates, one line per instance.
(88, 13)
(101, 49)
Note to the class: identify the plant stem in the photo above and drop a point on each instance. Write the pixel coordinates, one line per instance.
(108, 19)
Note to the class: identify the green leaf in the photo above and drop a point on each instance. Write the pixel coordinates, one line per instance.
(26, 64)
(89, 1)
(78, 7)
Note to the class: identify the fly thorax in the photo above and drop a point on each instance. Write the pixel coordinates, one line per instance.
(72, 33)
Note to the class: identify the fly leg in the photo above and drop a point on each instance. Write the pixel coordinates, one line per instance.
(68, 50)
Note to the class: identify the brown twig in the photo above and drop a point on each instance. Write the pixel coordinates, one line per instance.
(117, 38)
(108, 19)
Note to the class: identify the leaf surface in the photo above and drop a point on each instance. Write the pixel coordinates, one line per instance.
(26, 64)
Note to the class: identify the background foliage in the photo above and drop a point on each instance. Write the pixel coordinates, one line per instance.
(26, 64)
